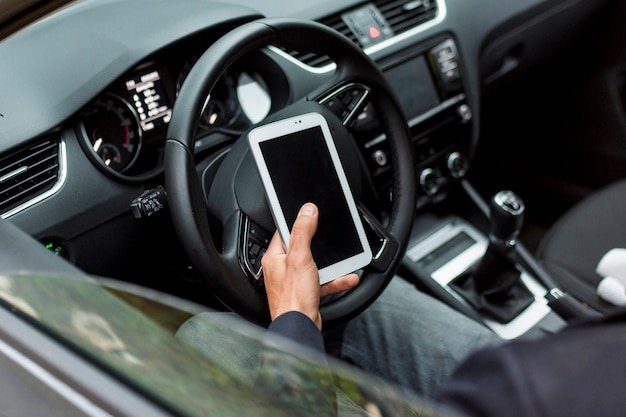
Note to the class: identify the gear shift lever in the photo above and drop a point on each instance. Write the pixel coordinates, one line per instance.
(494, 285)
(506, 218)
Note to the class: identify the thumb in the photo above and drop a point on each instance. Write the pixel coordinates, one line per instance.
(304, 227)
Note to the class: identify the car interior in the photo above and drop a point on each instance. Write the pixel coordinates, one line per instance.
(468, 130)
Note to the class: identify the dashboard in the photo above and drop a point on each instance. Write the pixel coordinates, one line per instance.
(123, 130)
(95, 108)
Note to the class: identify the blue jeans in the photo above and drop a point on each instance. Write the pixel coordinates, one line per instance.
(410, 339)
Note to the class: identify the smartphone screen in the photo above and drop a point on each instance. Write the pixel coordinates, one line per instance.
(301, 169)
(298, 163)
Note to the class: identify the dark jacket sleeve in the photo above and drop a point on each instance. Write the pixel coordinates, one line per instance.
(579, 371)
(298, 327)
(295, 377)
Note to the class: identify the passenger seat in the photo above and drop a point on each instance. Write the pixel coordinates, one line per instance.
(572, 248)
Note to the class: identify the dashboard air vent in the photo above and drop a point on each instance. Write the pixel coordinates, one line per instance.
(398, 16)
(404, 15)
(28, 173)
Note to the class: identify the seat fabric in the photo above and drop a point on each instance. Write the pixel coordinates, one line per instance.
(573, 246)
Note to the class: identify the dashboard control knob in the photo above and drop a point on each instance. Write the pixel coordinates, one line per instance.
(465, 113)
(457, 164)
(428, 181)
(380, 157)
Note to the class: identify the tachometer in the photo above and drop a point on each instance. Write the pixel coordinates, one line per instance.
(112, 129)
(221, 109)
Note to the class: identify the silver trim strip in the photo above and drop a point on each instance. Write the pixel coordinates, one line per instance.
(465, 260)
(357, 107)
(15, 173)
(527, 318)
(441, 14)
(55, 188)
(58, 386)
(444, 105)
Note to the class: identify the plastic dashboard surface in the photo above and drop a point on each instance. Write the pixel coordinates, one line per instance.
(143, 27)
(64, 74)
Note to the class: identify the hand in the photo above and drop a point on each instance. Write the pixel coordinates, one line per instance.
(291, 278)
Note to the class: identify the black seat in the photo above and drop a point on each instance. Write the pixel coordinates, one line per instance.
(571, 249)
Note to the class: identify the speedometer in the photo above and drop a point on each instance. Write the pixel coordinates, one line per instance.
(113, 132)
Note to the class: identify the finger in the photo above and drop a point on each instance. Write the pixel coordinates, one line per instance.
(340, 284)
(276, 245)
(303, 228)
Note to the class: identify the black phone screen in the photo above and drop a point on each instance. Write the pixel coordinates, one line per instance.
(302, 170)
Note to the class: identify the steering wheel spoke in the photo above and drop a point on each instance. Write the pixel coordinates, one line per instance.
(385, 247)
(254, 241)
(347, 101)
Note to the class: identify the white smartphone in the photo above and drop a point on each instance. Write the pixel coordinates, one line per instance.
(298, 163)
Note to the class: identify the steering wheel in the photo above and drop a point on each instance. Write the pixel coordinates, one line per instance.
(217, 219)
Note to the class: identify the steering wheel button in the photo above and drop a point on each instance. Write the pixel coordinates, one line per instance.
(255, 250)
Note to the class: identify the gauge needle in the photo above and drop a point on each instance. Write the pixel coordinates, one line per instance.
(97, 144)
(213, 116)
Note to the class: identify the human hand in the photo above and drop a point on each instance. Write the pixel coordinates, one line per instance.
(291, 278)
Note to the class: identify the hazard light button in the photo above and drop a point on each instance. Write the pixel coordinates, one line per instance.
(368, 25)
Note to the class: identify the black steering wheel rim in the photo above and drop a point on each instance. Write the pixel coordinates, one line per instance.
(187, 200)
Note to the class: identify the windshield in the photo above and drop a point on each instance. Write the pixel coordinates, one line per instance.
(194, 361)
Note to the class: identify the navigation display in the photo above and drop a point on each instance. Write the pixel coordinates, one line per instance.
(414, 86)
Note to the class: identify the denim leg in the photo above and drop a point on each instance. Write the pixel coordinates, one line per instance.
(411, 339)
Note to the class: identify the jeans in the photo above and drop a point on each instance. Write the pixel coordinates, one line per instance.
(409, 339)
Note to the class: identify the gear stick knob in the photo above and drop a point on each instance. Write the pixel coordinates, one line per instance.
(507, 217)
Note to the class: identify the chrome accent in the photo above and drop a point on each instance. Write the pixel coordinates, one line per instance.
(383, 246)
(13, 174)
(444, 105)
(384, 242)
(365, 92)
(441, 14)
(45, 377)
(321, 70)
(556, 293)
(61, 177)
(244, 261)
(462, 262)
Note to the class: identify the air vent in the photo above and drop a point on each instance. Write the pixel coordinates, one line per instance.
(28, 173)
(404, 15)
(399, 15)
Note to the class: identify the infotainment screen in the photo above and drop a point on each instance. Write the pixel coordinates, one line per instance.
(149, 99)
(413, 84)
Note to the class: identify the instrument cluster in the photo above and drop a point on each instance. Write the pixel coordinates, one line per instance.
(123, 130)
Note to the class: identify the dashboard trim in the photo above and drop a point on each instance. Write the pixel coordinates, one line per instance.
(62, 175)
(441, 14)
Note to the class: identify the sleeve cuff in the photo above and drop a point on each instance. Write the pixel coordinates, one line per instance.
(300, 328)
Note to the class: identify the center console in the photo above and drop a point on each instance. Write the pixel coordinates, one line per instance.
(451, 251)
(429, 84)
(454, 253)
(466, 253)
